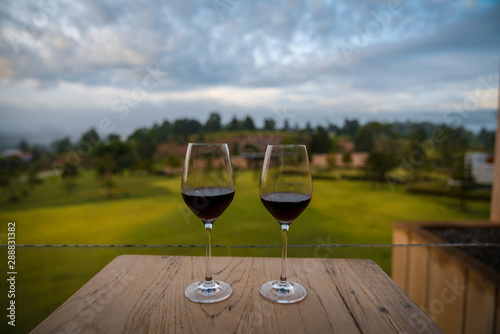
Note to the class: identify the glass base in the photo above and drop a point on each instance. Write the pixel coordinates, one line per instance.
(213, 292)
(278, 292)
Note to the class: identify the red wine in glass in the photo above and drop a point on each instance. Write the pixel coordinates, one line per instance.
(208, 203)
(285, 207)
(207, 188)
(285, 190)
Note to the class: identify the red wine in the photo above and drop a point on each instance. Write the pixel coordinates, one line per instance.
(208, 203)
(285, 207)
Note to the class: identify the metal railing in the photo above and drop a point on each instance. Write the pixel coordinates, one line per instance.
(231, 247)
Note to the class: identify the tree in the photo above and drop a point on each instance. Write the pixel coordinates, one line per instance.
(113, 137)
(37, 153)
(309, 129)
(269, 124)
(234, 125)
(350, 128)
(10, 170)
(68, 175)
(90, 137)
(143, 142)
(180, 130)
(250, 148)
(486, 139)
(465, 181)
(164, 132)
(23, 146)
(418, 155)
(366, 136)
(235, 150)
(213, 123)
(248, 124)
(112, 158)
(417, 137)
(335, 144)
(320, 141)
(332, 128)
(378, 164)
(331, 160)
(201, 137)
(456, 141)
(194, 126)
(87, 143)
(62, 145)
(347, 158)
(286, 125)
(33, 178)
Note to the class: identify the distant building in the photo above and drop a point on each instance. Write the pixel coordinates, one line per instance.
(358, 160)
(23, 156)
(480, 167)
(253, 160)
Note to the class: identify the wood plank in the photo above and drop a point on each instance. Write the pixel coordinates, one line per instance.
(369, 296)
(446, 289)
(139, 294)
(464, 264)
(480, 306)
(399, 270)
(417, 271)
(497, 313)
(466, 260)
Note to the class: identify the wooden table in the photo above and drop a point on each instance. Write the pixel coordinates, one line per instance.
(145, 294)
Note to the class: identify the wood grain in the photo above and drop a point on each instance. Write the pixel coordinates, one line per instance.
(448, 288)
(400, 235)
(497, 311)
(480, 306)
(417, 271)
(459, 292)
(145, 294)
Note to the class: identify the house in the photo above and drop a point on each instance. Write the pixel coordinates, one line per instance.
(23, 156)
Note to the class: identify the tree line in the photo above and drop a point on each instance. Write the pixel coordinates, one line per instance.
(388, 144)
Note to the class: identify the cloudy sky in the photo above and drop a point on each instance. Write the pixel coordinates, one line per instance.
(68, 65)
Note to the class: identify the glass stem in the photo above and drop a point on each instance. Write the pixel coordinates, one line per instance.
(208, 233)
(284, 235)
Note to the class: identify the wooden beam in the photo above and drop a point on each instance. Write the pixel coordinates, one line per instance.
(495, 192)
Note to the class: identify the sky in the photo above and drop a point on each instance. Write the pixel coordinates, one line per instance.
(67, 66)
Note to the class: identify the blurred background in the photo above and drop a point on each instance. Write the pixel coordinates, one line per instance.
(395, 100)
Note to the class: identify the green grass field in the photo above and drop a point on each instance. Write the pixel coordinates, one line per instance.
(149, 210)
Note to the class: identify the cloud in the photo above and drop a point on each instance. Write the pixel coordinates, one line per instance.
(250, 57)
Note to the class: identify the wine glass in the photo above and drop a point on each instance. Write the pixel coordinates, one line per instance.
(207, 189)
(285, 190)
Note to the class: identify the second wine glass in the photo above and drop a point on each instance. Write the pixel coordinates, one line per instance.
(207, 189)
(285, 190)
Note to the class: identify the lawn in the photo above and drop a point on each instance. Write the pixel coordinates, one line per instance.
(149, 210)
